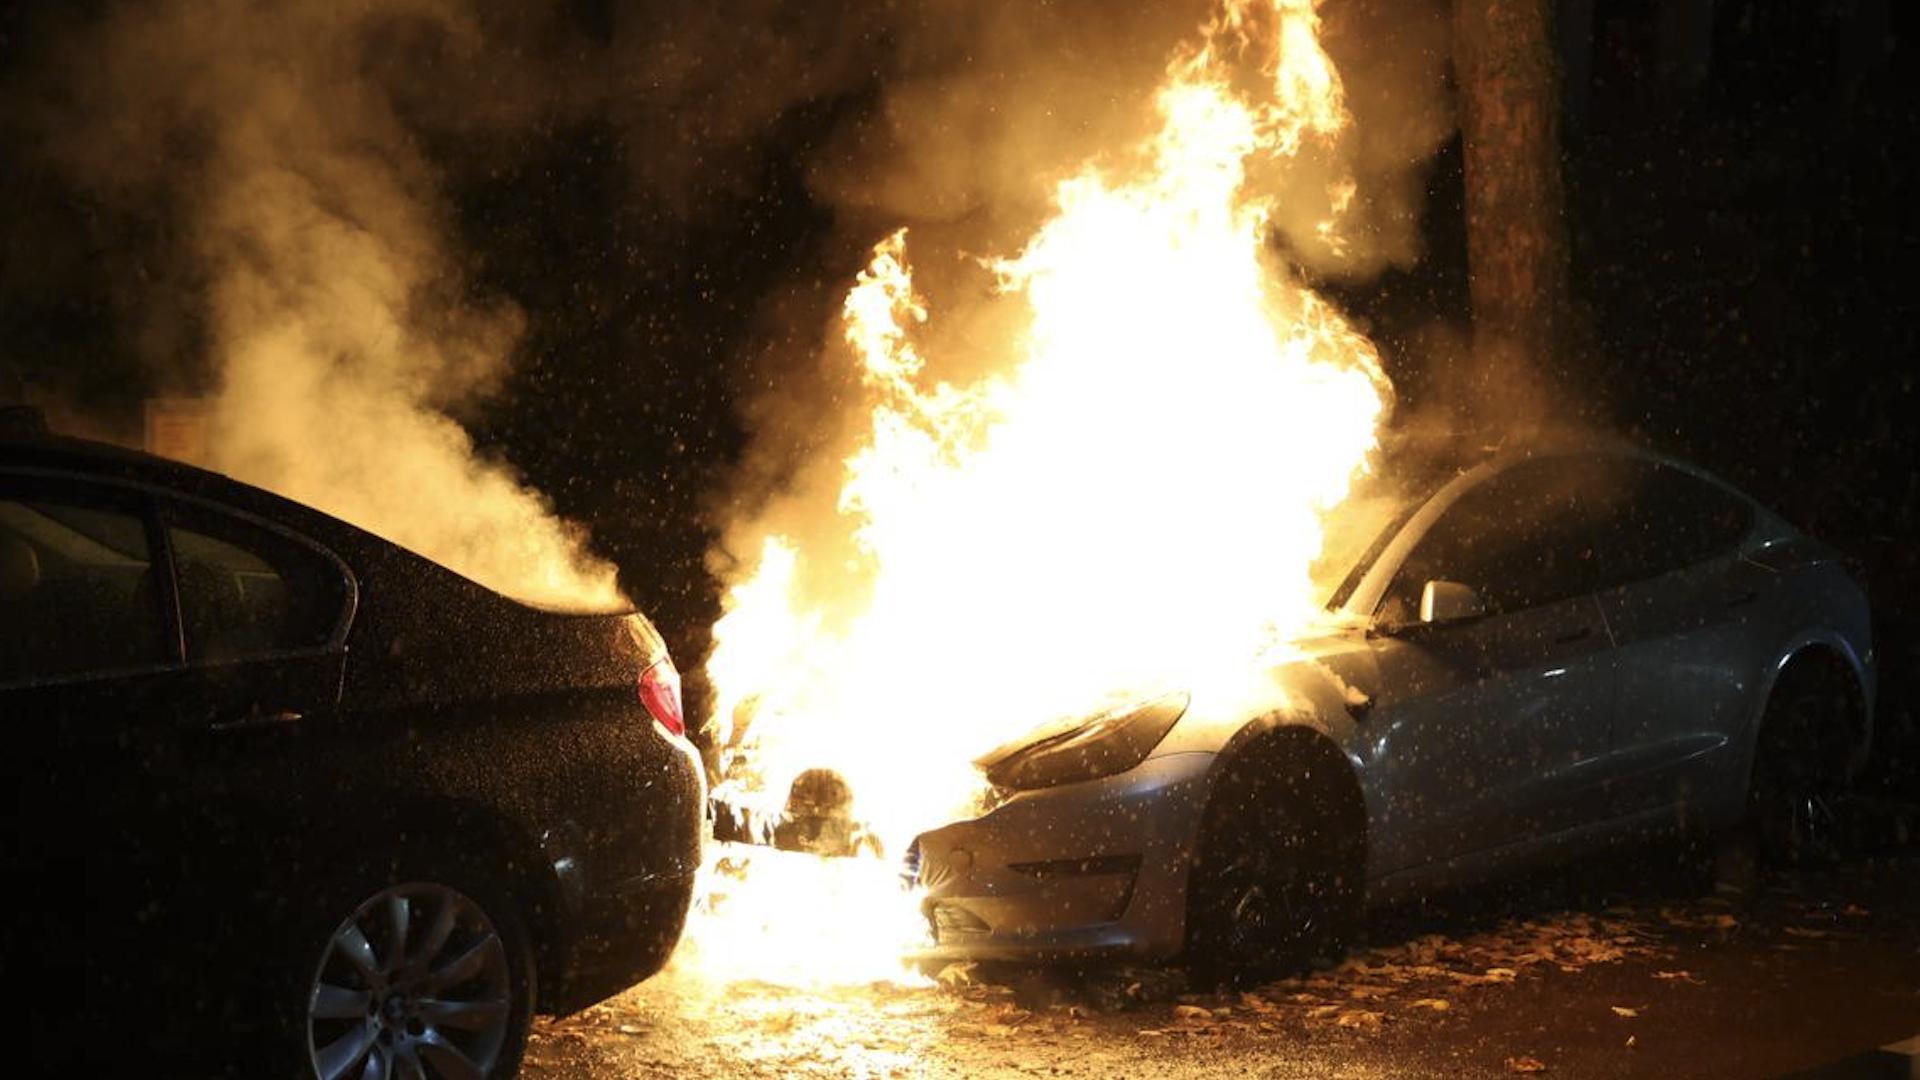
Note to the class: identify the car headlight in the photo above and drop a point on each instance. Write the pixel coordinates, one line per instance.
(1100, 745)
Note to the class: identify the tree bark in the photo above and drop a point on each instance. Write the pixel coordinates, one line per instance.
(1506, 64)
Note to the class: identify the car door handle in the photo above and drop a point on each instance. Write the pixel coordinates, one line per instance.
(1571, 636)
(257, 720)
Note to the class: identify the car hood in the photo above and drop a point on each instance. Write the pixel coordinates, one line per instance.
(1316, 680)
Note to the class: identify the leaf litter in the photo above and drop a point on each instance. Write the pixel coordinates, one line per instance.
(1420, 978)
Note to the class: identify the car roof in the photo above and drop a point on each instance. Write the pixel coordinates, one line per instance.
(66, 452)
(1419, 461)
(28, 443)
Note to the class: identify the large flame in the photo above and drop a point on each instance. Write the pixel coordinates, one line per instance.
(1134, 497)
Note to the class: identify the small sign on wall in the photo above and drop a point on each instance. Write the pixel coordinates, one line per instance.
(177, 428)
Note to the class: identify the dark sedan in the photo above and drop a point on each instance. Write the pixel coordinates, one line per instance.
(290, 800)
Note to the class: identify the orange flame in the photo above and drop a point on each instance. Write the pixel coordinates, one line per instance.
(1134, 498)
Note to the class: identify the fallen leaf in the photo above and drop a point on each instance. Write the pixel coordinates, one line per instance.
(781, 1023)
(1436, 1004)
(1007, 1012)
(1631, 1042)
(1359, 1018)
(1622, 1010)
(1320, 1012)
(1191, 1012)
(1801, 931)
(956, 974)
(1526, 1065)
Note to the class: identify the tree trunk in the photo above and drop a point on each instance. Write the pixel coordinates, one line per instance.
(1507, 67)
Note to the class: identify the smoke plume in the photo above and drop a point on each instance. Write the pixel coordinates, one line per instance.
(270, 189)
(303, 227)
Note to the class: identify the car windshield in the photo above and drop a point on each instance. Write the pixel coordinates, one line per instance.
(1358, 529)
(1356, 533)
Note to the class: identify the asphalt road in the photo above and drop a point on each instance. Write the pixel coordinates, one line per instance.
(1620, 969)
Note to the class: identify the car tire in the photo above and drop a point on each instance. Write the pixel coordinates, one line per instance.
(415, 967)
(1794, 818)
(1274, 891)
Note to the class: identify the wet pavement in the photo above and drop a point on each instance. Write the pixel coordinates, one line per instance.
(1622, 969)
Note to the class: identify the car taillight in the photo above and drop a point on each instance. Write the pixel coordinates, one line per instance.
(660, 693)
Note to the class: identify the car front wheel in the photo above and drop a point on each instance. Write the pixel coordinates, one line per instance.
(1271, 893)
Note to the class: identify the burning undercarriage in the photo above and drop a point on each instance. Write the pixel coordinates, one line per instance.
(816, 818)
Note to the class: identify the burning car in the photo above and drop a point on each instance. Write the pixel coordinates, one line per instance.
(292, 800)
(1542, 649)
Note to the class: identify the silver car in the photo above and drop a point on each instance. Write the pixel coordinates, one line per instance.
(1542, 651)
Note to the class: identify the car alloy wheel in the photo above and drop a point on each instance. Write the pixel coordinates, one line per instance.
(419, 981)
(1269, 895)
(1799, 772)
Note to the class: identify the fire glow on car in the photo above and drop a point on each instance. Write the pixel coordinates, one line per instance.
(1131, 498)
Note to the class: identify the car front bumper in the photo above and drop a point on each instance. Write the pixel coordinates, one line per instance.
(1088, 870)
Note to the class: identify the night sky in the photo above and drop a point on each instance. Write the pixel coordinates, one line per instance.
(1740, 242)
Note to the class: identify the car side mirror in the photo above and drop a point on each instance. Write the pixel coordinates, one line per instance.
(1448, 601)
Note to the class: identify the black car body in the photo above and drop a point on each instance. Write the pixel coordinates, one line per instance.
(289, 798)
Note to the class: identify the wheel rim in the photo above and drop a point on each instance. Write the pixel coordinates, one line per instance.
(1256, 914)
(1798, 794)
(1801, 822)
(1269, 911)
(416, 983)
(1812, 822)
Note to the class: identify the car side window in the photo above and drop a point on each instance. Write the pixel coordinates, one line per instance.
(247, 590)
(1527, 536)
(77, 589)
(1675, 520)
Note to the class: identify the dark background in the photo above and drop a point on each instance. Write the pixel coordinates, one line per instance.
(1741, 208)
